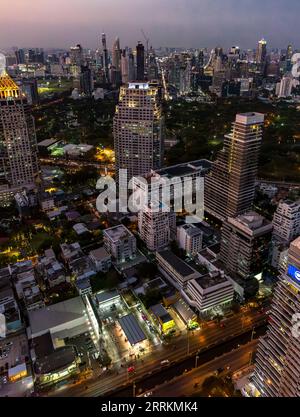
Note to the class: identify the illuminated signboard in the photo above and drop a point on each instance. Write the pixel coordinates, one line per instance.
(294, 273)
(138, 86)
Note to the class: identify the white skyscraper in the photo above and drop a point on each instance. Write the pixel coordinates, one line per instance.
(284, 88)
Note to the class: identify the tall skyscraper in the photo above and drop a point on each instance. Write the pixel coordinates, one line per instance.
(261, 52)
(30, 88)
(18, 149)
(124, 66)
(277, 370)
(20, 56)
(86, 81)
(138, 129)
(131, 67)
(116, 63)
(230, 186)
(105, 57)
(284, 88)
(140, 62)
(76, 60)
(76, 55)
(289, 52)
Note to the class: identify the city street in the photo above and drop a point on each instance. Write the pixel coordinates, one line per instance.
(184, 384)
(181, 348)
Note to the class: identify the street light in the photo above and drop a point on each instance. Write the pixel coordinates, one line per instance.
(133, 389)
(196, 361)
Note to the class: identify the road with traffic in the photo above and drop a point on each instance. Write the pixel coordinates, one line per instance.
(190, 382)
(182, 347)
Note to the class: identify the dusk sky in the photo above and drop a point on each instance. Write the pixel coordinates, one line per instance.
(190, 23)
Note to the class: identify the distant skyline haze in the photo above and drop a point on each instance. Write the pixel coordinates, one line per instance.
(178, 23)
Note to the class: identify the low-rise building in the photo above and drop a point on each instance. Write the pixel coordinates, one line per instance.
(52, 271)
(80, 229)
(183, 310)
(189, 238)
(47, 201)
(162, 318)
(52, 364)
(177, 271)
(120, 243)
(101, 259)
(62, 320)
(209, 291)
(84, 286)
(70, 251)
(28, 290)
(9, 308)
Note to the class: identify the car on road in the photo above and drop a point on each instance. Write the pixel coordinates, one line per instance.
(130, 369)
(219, 371)
(165, 362)
(148, 394)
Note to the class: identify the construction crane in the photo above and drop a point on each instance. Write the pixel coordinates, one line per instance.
(147, 41)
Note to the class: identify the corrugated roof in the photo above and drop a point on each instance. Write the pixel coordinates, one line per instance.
(132, 329)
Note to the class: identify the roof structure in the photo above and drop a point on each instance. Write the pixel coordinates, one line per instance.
(132, 329)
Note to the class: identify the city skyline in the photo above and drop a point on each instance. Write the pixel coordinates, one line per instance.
(199, 23)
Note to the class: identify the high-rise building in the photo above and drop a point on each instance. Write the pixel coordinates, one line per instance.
(261, 52)
(284, 88)
(116, 63)
(289, 52)
(230, 186)
(30, 88)
(131, 67)
(105, 57)
(286, 221)
(76, 61)
(152, 66)
(124, 66)
(277, 369)
(86, 81)
(140, 62)
(138, 129)
(19, 167)
(76, 55)
(245, 244)
(20, 56)
(36, 56)
(157, 225)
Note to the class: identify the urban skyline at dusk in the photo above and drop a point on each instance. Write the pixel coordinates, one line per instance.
(179, 23)
(150, 201)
